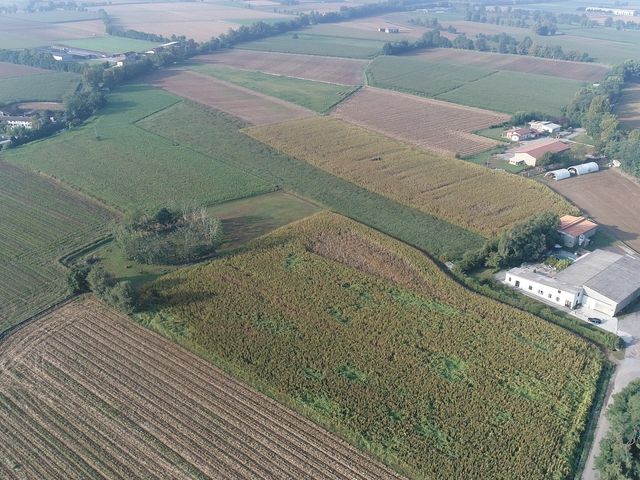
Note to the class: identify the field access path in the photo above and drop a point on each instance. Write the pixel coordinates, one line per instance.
(87, 393)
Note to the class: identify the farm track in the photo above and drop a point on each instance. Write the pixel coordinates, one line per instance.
(87, 392)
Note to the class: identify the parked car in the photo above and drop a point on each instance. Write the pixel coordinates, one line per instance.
(595, 321)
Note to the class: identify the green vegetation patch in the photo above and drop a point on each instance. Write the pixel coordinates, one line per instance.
(438, 392)
(305, 43)
(110, 44)
(115, 160)
(46, 87)
(316, 96)
(39, 222)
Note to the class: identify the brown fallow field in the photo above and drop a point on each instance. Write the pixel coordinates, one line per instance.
(34, 33)
(8, 70)
(587, 72)
(342, 71)
(197, 20)
(611, 198)
(629, 106)
(252, 107)
(87, 393)
(433, 124)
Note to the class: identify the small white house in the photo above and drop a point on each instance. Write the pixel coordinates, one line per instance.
(547, 288)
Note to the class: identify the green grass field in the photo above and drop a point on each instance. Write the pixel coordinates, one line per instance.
(125, 166)
(367, 337)
(111, 45)
(500, 91)
(51, 87)
(222, 137)
(316, 96)
(39, 222)
(310, 44)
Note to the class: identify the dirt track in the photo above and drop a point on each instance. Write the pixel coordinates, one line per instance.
(86, 393)
(610, 198)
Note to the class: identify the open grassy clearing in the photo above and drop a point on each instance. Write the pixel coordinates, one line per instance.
(628, 108)
(438, 126)
(86, 393)
(502, 91)
(125, 166)
(20, 32)
(220, 136)
(316, 96)
(50, 86)
(343, 71)
(586, 72)
(252, 106)
(39, 222)
(389, 352)
(110, 45)
(310, 44)
(455, 191)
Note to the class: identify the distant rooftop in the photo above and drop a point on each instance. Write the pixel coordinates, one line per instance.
(576, 226)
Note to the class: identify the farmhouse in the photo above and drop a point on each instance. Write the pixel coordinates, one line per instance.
(519, 134)
(545, 127)
(532, 153)
(621, 12)
(602, 281)
(17, 121)
(389, 29)
(576, 230)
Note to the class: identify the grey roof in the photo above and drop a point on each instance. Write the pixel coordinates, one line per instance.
(610, 274)
(545, 280)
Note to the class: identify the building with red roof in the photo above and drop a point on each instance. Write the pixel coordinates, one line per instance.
(533, 152)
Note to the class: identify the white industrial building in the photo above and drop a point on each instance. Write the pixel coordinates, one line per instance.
(602, 281)
(545, 127)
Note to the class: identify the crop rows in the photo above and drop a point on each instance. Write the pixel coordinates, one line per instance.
(388, 351)
(458, 192)
(95, 396)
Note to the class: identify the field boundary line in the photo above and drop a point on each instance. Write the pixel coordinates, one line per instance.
(345, 98)
(37, 316)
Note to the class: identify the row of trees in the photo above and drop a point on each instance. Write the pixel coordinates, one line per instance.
(542, 22)
(593, 108)
(94, 278)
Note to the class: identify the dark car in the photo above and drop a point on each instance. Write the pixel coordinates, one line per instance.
(595, 321)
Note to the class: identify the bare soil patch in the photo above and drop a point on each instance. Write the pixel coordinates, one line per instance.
(629, 106)
(439, 126)
(54, 106)
(343, 71)
(250, 106)
(86, 392)
(610, 198)
(587, 72)
(8, 70)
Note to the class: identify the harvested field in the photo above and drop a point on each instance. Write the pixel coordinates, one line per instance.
(86, 393)
(610, 198)
(344, 71)
(587, 72)
(19, 32)
(9, 70)
(432, 124)
(53, 106)
(246, 104)
(467, 195)
(629, 106)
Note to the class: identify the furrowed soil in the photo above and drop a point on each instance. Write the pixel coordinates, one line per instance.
(87, 393)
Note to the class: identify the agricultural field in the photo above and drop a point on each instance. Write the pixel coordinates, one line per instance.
(49, 86)
(222, 138)
(302, 42)
(112, 159)
(9, 70)
(366, 28)
(251, 106)
(110, 45)
(389, 352)
(197, 20)
(628, 108)
(456, 191)
(585, 72)
(503, 91)
(316, 96)
(87, 393)
(40, 221)
(27, 31)
(438, 126)
(616, 213)
(343, 71)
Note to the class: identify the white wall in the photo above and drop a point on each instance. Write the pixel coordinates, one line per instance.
(526, 158)
(536, 288)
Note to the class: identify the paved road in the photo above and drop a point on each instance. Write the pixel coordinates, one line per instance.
(627, 371)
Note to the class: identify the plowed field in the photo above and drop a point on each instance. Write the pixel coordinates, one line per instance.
(86, 393)
(432, 124)
(246, 104)
(343, 71)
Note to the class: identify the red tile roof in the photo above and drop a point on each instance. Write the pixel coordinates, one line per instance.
(576, 226)
(538, 149)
